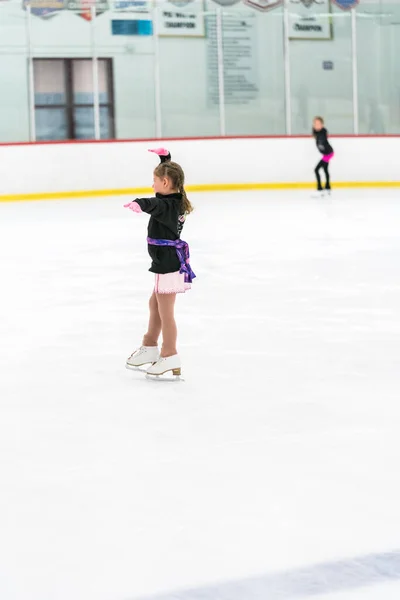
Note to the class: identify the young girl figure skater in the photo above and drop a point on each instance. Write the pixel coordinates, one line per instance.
(321, 138)
(170, 263)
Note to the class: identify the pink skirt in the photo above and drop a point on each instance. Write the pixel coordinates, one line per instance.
(328, 157)
(171, 283)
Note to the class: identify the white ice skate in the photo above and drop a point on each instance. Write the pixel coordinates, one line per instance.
(166, 369)
(146, 355)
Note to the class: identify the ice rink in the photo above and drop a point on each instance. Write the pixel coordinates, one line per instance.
(272, 472)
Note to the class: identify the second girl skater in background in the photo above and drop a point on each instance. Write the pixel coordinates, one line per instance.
(170, 263)
(321, 138)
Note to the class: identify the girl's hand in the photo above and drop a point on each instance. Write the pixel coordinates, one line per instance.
(163, 153)
(160, 151)
(134, 206)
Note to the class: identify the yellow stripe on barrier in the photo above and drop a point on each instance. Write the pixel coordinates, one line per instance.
(206, 187)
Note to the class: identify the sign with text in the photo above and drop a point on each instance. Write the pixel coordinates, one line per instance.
(241, 73)
(133, 6)
(183, 21)
(310, 20)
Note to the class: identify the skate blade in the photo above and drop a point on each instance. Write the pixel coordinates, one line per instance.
(167, 377)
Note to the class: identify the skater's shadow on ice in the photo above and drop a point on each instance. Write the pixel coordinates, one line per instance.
(305, 582)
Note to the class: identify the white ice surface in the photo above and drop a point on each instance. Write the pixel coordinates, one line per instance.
(280, 452)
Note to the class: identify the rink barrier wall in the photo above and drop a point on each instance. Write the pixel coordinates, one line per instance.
(194, 188)
(82, 169)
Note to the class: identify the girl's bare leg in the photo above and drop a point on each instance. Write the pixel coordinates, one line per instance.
(166, 310)
(154, 329)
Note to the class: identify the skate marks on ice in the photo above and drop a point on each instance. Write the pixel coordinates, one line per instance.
(307, 582)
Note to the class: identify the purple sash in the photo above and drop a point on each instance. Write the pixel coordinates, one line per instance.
(182, 250)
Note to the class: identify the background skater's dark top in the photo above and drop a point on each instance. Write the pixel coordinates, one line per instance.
(166, 223)
(321, 138)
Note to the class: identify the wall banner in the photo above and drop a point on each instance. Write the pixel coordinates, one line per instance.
(263, 5)
(346, 4)
(83, 8)
(44, 9)
(181, 19)
(310, 20)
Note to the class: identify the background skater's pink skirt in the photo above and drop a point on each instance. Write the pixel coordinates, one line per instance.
(171, 283)
(328, 157)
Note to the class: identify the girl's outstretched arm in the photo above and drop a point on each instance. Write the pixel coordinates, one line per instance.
(156, 207)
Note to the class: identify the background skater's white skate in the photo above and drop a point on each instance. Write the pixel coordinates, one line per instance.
(165, 369)
(146, 355)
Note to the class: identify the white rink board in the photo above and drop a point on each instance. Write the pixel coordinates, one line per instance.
(50, 168)
(278, 454)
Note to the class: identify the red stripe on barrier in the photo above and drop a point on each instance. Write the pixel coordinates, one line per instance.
(190, 139)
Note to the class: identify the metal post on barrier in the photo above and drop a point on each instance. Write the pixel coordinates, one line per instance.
(286, 58)
(221, 76)
(355, 70)
(95, 75)
(157, 83)
(31, 77)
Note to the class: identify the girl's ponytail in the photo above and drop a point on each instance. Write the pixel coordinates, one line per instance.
(186, 205)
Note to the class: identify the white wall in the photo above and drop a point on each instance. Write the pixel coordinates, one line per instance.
(184, 72)
(186, 110)
(55, 168)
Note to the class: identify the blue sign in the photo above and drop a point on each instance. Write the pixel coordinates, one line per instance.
(346, 4)
(131, 27)
(132, 5)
